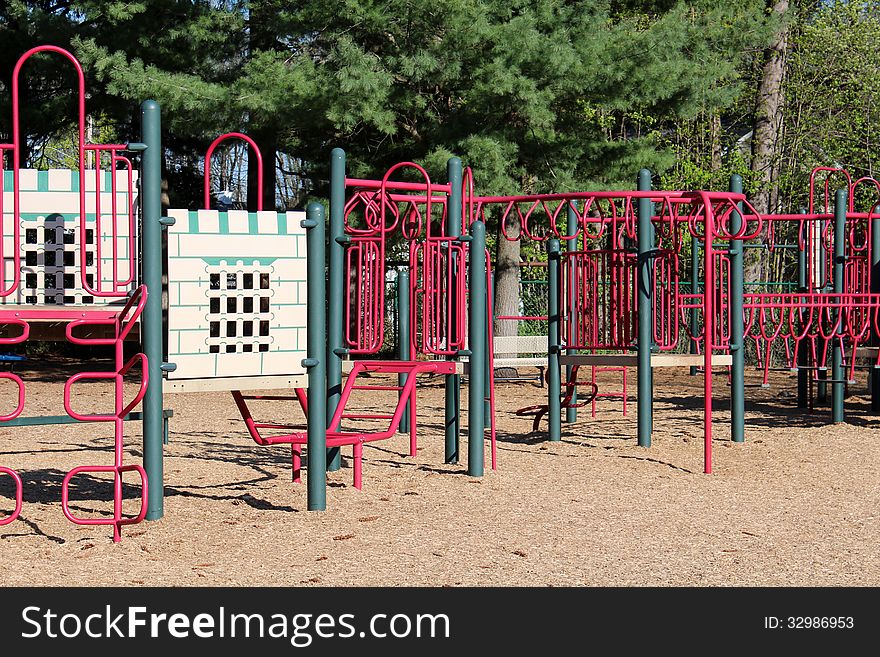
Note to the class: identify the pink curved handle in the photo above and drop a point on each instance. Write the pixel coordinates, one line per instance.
(139, 357)
(124, 321)
(16, 154)
(18, 496)
(145, 381)
(18, 409)
(118, 520)
(257, 153)
(68, 331)
(25, 331)
(131, 312)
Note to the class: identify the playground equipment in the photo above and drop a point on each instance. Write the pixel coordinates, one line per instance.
(443, 306)
(234, 323)
(76, 255)
(71, 242)
(604, 296)
(611, 297)
(69, 260)
(569, 401)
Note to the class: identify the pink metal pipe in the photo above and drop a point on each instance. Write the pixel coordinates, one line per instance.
(398, 185)
(118, 521)
(18, 495)
(120, 412)
(9, 376)
(708, 326)
(83, 147)
(25, 330)
(16, 154)
(257, 154)
(830, 171)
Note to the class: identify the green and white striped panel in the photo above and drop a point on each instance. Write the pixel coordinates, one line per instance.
(236, 294)
(49, 242)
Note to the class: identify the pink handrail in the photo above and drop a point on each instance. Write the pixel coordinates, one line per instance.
(117, 285)
(257, 154)
(120, 413)
(18, 495)
(123, 322)
(15, 339)
(9, 376)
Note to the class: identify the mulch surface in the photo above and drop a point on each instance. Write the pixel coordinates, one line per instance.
(797, 504)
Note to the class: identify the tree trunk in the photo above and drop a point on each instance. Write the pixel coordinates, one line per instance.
(267, 140)
(261, 23)
(768, 114)
(716, 142)
(766, 132)
(507, 257)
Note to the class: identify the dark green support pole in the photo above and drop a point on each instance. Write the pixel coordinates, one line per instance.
(571, 229)
(151, 244)
(822, 376)
(403, 337)
(315, 353)
(645, 401)
(838, 385)
(695, 290)
(453, 381)
(554, 385)
(803, 357)
(478, 316)
(737, 330)
(336, 285)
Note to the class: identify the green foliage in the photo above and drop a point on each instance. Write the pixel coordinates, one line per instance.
(535, 95)
(832, 94)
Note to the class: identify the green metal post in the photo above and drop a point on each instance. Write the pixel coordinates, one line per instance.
(403, 337)
(737, 330)
(571, 229)
(453, 381)
(554, 385)
(315, 353)
(645, 401)
(478, 315)
(695, 290)
(336, 286)
(803, 357)
(838, 384)
(151, 236)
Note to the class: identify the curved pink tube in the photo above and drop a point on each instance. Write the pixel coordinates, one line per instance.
(25, 331)
(117, 376)
(20, 407)
(18, 496)
(257, 154)
(118, 521)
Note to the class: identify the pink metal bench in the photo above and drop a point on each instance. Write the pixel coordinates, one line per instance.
(355, 438)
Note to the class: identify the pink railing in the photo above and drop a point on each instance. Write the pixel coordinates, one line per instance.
(438, 289)
(118, 282)
(19, 407)
(16, 511)
(257, 154)
(376, 209)
(122, 325)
